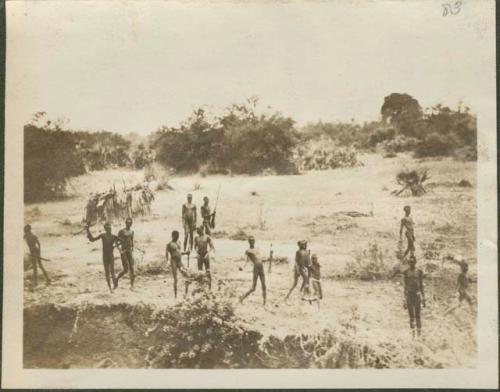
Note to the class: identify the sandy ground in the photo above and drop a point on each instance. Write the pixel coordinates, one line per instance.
(281, 210)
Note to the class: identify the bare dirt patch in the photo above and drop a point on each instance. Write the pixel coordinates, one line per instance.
(311, 206)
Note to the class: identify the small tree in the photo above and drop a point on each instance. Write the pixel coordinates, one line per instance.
(50, 158)
(412, 180)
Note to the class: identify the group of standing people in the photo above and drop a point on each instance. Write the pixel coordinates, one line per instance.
(124, 242)
(306, 267)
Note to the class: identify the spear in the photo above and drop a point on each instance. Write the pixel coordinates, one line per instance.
(85, 228)
(186, 253)
(38, 257)
(270, 258)
(212, 222)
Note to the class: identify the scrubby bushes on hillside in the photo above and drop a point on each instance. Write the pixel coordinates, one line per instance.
(399, 143)
(50, 158)
(53, 154)
(406, 127)
(202, 332)
(323, 154)
(101, 150)
(240, 141)
(343, 134)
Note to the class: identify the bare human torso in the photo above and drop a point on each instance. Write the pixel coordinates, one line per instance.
(202, 244)
(189, 213)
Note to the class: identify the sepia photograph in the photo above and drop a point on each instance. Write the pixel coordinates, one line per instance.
(219, 185)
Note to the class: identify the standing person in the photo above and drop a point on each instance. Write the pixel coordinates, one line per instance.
(414, 294)
(128, 201)
(408, 225)
(315, 276)
(35, 255)
(126, 238)
(203, 244)
(206, 215)
(252, 254)
(302, 262)
(173, 251)
(462, 287)
(189, 221)
(109, 241)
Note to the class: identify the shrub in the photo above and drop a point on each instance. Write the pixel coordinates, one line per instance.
(100, 150)
(142, 157)
(53, 154)
(369, 264)
(434, 145)
(202, 332)
(323, 154)
(265, 143)
(239, 142)
(412, 180)
(432, 250)
(400, 143)
(50, 159)
(382, 135)
(467, 153)
(343, 134)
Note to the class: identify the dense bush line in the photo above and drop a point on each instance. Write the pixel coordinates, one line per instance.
(240, 141)
(50, 158)
(52, 155)
(406, 127)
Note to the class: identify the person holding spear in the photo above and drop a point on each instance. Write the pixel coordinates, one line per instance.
(212, 216)
(35, 255)
(206, 215)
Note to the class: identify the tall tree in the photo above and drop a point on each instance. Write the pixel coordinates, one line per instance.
(404, 112)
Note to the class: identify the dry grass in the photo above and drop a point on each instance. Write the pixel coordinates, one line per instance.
(307, 206)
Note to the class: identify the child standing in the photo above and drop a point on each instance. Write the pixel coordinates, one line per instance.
(315, 271)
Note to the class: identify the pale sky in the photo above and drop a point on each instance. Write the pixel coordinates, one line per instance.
(134, 66)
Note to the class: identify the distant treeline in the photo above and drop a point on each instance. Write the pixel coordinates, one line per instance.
(241, 141)
(438, 131)
(53, 154)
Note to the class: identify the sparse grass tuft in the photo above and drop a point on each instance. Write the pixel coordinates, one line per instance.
(369, 264)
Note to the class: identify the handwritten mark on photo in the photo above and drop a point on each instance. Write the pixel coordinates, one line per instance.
(451, 8)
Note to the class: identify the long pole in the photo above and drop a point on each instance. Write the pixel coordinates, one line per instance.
(217, 199)
(212, 222)
(270, 258)
(38, 257)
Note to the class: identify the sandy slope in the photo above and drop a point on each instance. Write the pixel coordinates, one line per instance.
(282, 210)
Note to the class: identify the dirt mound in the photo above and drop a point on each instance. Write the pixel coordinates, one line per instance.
(240, 235)
(465, 184)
